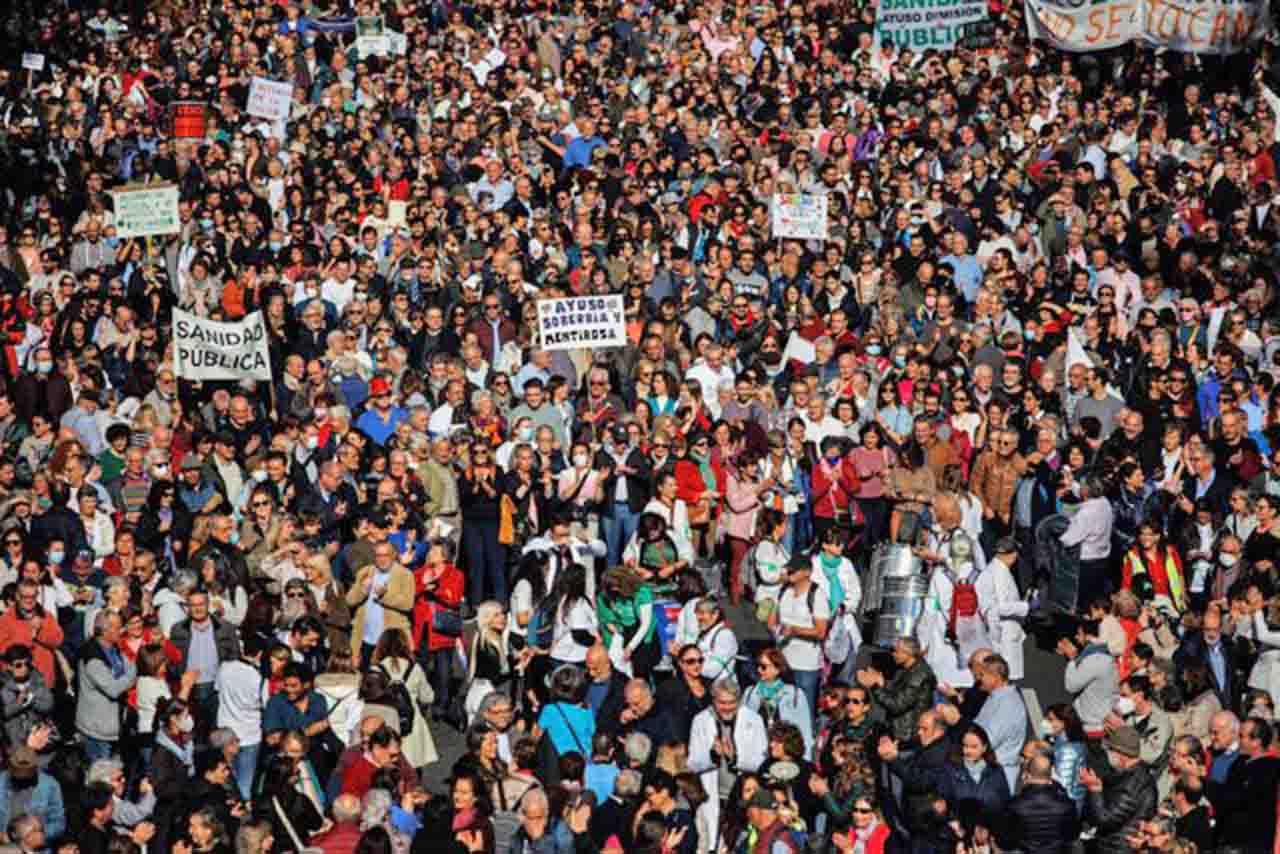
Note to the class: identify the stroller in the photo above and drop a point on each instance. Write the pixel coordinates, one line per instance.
(1058, 565)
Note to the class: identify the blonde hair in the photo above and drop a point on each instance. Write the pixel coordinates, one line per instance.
(486, 612)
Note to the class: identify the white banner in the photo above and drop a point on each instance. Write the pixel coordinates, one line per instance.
(922, 24)
(590, 322)
(211, 350)
(800, 216)
(33, 61)
(269, 100)
(146, 211)
(1189, 26)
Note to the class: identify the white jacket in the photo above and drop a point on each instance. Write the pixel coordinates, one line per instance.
(750, 741)
(719, 647)
(1003, 610)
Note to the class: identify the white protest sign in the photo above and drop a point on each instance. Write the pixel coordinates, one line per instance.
(397, 213)
(270, 100)
(799, 350)
(212, 350)
(923, 24)
(146, 211)
(397, 42)
(800, 216)
(1189, 26)
(33, 61)
(367, 46)
(590, 322)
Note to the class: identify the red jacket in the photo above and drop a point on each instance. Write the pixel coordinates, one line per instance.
(690, 485)
(448, 593)
(17, 631)
(834, 488)
(342, 838)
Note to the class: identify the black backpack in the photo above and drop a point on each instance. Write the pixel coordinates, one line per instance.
(398, 697)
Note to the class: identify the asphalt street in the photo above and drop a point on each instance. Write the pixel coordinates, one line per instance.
(1043, 682)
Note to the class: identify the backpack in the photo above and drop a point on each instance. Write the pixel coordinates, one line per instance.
(506, 819)
(398, 697)
(964, 600)
(542, 624)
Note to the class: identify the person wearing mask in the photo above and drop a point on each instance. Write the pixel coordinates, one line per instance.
(627, 477)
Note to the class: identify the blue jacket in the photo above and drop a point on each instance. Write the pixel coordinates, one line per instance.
(46, 802)
(991, 792)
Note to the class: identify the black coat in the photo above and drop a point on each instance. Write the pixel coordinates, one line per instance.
(674, 696)
(1041, 818)
(1192, 650)
(1126, 800)
(609, 717)
(922, 775)
(639, 484)
(1244, 806)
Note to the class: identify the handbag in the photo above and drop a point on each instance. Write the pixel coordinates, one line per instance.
(700, 513)
(506, 522)
(446, 621)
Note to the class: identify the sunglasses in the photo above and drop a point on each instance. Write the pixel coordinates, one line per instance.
(297, 594)
(863, 809)
(694, 660)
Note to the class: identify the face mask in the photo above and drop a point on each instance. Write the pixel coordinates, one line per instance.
(313, 442)
(874, 349)
(186, 724)
(1124, 706)
(276, 245)
(260, 475)
(1228, 561)
(234, 539)
(772, 358)
(44, 367)
(1029, 334)
(56, 557)
(899, 362)
(526, 434)
(1046, 728)
(581, 460)
(207, 224)
(112, 242)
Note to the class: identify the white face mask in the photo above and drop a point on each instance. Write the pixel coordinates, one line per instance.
(1124, 706)
(313, 442)
(581, 460)
(186, 724)
(1228, 560)
(1046, 728)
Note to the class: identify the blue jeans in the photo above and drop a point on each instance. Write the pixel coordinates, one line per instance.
(807, 681)
(486, 561)
(438, 666)
(619, 527)
(246, 768)
(95, 749)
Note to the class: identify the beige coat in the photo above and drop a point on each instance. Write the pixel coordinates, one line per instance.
(397, 602)
(419, 748)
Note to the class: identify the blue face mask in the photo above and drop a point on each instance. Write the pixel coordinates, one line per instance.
(1029, 334)
(276, 245)
(112, 242)
(234, 539)
(874, 350)
(206, 223)
(900, 362)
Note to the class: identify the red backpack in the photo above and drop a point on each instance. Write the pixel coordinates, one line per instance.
(964, 600)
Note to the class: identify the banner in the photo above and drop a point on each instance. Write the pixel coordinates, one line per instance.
(921, 24)
(270, 100)
(800, 216)
(211, 350)
(188, 119)
(33, 61)
(590, 322)
(146, 211)
(1189, 26)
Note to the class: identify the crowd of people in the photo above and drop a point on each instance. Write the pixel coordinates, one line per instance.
(1035, 358)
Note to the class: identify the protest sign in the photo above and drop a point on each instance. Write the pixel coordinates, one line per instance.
(397, 213)
(800, 216)
(1190, 26)
(397, 43)
(33, 62)
(590, 322)
(927, 23)
(270, 100)
(146, 211)
(213, 350)
(188, 119)
(978, 35)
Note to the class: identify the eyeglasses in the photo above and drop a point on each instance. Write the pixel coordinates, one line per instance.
(297, 594)
(661, 445)
(13, 542)
(262, 504)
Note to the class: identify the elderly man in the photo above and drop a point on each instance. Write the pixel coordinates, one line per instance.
(725, 740)
(382, 596)
(642, 714)
(1003, 716)
(920, 772)
(1129, 797)
(903, 698)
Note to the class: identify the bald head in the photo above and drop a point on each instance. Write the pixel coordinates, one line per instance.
(346, 808)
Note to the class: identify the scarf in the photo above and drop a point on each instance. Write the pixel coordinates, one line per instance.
(770, 691)
(863, 836)
(707, 472)
(185, 752)
(975, 769)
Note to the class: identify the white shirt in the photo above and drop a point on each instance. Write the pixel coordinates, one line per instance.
(242, 695)
(581, 617)
(793, 610)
